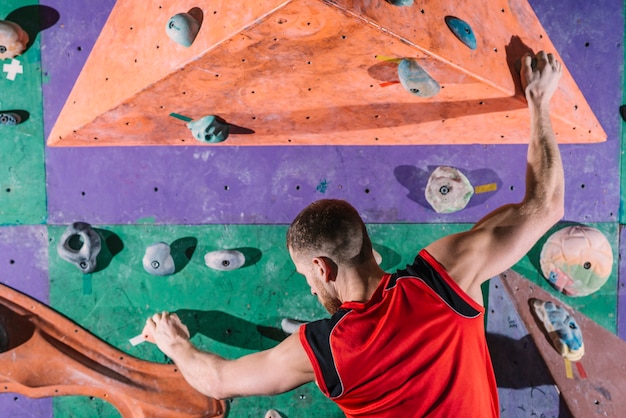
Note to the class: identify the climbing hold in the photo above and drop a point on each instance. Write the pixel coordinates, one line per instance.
(209, 129)
(577, 260)
(9, 118)
(158, 260)
(562, 329)
(448, 190)
(415, 79)
(13, 39)
(272, 413)
(291, 326)
(225, 260)
(377, 257)
(182, 29)
(400, 2)
(462, 30)
(80, 245)
(622, 112)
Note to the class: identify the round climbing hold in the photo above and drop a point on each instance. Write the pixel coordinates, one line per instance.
(415, 79)
(224, 260)
(13, 39)
(158, 260)
(577, 260)
(448, 190)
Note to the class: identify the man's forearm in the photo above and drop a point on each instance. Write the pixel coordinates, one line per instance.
(200, 368)
(545, 179)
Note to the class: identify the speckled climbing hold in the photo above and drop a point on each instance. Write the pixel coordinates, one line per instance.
(448, 190)
(400, 2)
(562, 329)
(182, 29)
(415, 79)
(13, 39)
(225, 260)
(80, 245)
(462, 30)
(209, 129)
(9, 118)
(577, 260)
(291, 326)
(158, 260)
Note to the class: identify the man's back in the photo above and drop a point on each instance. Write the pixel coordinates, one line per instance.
(417, 348)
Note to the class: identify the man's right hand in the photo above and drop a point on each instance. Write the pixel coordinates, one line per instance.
(167, 331)
(540, 77)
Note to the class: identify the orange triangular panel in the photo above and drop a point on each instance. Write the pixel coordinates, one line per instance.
(314, 72)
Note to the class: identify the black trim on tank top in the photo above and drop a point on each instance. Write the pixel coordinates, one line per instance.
(427, 273)
(317, 334)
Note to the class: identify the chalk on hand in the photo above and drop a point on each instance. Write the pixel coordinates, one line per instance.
(138, 340)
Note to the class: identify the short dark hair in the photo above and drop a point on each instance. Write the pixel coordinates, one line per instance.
(331, 228)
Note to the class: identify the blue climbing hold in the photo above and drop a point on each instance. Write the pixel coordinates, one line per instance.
(401, 2)
(462, 30)
(561, 327)
(416, 80)
(9, 118)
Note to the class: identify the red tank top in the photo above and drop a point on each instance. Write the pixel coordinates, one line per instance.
(416, 349)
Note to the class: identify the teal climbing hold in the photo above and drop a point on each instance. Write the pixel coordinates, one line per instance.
(209, 129)
(401, 2)
(462, 30)
(182, 29)
(416, 80)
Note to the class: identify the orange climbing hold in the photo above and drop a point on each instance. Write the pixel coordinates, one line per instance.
(43, 353)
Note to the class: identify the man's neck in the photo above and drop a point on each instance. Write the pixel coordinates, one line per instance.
(358, 284)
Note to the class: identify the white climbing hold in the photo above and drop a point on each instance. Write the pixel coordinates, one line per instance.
(225, 260)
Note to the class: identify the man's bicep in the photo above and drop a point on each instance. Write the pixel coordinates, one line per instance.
(493, 245)
(277, 370)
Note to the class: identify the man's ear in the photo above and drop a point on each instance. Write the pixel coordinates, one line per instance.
(326, 267)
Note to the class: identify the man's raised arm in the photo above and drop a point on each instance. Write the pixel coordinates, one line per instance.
(503, 237)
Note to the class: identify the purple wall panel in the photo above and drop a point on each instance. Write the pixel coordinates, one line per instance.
(65, 48)
(262, 185)
(24, 266)
(119, 184)
(621, 288)
(525, 386)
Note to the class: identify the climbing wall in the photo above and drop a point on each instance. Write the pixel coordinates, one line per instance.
(245, 59)
(232, 196)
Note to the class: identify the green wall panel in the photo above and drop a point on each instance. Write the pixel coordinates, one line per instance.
(22, 168)
(232, 313)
